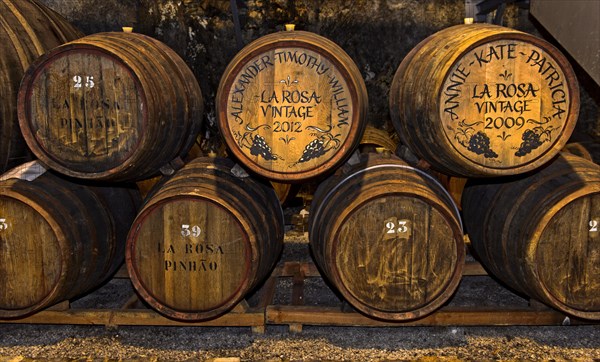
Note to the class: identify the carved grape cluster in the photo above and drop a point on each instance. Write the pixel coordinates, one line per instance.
(531, 141)
(312, 150)
(260, 147)
(479, 143)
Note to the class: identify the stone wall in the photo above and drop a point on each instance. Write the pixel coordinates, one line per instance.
(377, 34)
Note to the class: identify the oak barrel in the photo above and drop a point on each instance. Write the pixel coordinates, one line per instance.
(496, 101)
(539, 233)
(58, 237)
(589, 150)
(203, 240)
(28, 29)
(388, 237)
(110, 106)
(374, 139)
(291, 106)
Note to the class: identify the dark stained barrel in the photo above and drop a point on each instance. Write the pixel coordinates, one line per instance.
(58, 237)
(482, 100)
(110, 106)
(203, 240)
(28, 29)
(540, 233)
(589, 150)
(389, 238)
(292, 106)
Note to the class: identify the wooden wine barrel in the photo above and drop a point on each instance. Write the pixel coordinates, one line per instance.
(496, 101)
(110, 106)
(539, 233)
(291, 106)
(389, 238)
(59, 238)
(28, 29)
(589, 150)
(374, 138)
(204, 240)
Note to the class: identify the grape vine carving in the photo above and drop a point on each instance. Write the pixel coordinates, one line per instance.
(534, 138)
(323, 142)
(478, 143)
(256, 143)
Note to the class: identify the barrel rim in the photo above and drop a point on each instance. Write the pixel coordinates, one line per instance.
(319, 44)
(24, 113)
(146, 293)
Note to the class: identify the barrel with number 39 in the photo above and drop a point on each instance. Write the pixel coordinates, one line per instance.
(540, 233)
(388, 237)
(203, 240)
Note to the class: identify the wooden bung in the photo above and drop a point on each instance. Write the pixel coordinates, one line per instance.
(59, 238)
(495, 102)
(291, 106)
(388, 237)
(28, 29)
(203, 240)
(540, 233)
(110, 106)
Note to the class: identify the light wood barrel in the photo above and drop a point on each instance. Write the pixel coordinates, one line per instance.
(204, 240)
(292, 106)
(540, 233)
(495, 102)
(58, 238)
(389, 238)
(110, 106)
(374, 138)
(28, 29)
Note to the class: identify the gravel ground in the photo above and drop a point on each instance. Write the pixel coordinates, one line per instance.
(20, 342)
(314, 343)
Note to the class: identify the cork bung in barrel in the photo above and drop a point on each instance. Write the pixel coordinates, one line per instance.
(291, 106)
(496, 101)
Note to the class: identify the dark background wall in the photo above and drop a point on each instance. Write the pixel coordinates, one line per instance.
(377, 34)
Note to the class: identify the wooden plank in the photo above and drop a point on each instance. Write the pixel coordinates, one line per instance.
(135, 317)
(465, 316)
(474, 268)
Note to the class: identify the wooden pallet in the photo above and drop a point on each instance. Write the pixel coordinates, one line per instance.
(296, 314)
(134, 313)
